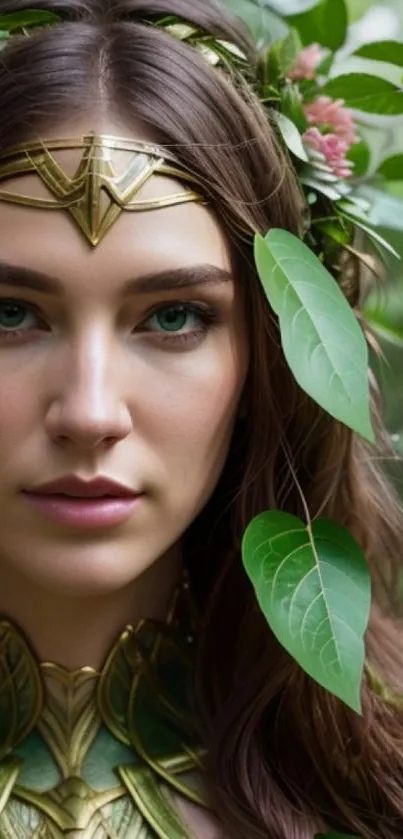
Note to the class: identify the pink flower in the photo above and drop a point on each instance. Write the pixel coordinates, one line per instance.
(330, 115)
(334, 149)
(306, 63)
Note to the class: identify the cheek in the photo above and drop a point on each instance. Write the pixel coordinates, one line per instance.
(18, 405)
(190, 411)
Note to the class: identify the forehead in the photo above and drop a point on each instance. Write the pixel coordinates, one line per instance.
(50, 240)
(161, 238)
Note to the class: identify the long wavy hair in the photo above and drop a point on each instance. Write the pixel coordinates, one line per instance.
(285, 758)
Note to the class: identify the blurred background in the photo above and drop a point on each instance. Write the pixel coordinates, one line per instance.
(373, 21)
(369, 21)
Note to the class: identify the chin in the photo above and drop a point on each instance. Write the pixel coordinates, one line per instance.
(95, 570)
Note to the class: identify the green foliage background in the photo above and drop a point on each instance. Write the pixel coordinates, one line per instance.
(384, 305)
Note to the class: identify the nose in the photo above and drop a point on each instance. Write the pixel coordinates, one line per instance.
(86, 408)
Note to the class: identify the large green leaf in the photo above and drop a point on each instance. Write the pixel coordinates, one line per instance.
(313, 586)
(327, 23)
(366, 93)
(390, 51)
(322, 340)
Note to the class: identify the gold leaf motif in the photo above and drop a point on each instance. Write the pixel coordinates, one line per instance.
(115, 684)
(70, 720)
(75, 810)
(146, 792)
(8, 775)
(21, 689)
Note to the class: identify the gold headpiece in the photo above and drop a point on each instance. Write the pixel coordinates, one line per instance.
(96, 195)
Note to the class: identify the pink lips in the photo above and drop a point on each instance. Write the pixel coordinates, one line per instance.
(86, 504)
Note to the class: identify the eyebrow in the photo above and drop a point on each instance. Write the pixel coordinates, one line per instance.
(168, 280)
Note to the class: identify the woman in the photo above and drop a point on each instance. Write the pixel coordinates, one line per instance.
(147, 414)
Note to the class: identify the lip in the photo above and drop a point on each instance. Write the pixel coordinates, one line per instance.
(72, 501)
(76, 487)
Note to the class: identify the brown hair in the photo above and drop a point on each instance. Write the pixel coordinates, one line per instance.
(285, 758)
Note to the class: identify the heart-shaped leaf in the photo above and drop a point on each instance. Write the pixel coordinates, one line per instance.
(322, 340)
(313, 586)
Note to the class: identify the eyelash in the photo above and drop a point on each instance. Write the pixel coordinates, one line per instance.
(205, 314)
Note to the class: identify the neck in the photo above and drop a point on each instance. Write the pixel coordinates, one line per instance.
(77, 632)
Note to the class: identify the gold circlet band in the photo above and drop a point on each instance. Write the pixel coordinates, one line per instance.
(95, 178)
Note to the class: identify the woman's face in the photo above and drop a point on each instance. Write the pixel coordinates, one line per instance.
(127, 362)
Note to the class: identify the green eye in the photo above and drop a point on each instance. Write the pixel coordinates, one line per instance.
(172, 319)
(12, 315)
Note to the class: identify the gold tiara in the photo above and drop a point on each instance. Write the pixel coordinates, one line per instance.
(96, 194)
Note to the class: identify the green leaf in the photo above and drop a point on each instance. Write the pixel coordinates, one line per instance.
(282, 55)
(264, 25)
(321, 338)
(360, 155)
(386, 210)
(313, 586)
(366, 93)
(336, 233)
(326, 65)
(20, 20)
(327, 23)
(329, 190)
(389, 51)
(290, 135)
(392, 168)
(353, 213)
(292, 106)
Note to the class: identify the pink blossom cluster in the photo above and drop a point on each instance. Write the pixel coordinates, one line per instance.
(332, 132)
(306, 64)
(331, 126)
(333, 148)
(331, 116)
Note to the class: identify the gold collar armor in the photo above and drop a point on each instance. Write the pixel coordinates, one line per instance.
(98, 755)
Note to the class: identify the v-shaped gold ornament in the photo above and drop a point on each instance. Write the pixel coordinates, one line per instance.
(96, 195)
